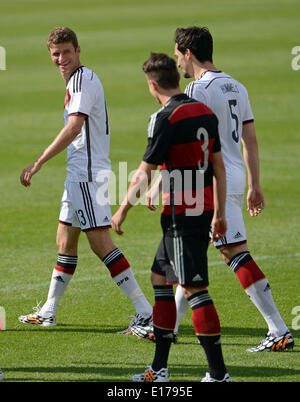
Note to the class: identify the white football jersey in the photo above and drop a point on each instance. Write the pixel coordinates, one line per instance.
(88, 154)
(228, 99)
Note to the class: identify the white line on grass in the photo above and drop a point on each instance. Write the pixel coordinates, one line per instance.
(104, 275)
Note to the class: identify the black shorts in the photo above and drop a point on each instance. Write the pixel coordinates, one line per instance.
(183, 258)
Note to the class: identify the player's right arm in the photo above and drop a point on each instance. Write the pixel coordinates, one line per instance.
(137, 187)
(61, 142)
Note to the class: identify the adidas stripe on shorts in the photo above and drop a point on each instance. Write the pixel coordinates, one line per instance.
(85, 205)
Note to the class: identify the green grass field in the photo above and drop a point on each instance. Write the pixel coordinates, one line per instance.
(253, 42)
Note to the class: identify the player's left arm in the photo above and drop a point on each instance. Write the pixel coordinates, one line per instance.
(63, 139)
(153, 194)
(219, 224)
(255, 196)
(137, 187)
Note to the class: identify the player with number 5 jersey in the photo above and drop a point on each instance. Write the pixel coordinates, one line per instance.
(228, 99)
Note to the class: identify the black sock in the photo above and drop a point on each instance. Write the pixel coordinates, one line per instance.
(213, 350)
(163, 342)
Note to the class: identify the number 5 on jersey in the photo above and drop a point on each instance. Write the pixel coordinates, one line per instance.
(235, 133)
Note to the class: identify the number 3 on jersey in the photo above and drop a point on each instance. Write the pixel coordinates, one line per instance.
(235, 133)
(202, 135)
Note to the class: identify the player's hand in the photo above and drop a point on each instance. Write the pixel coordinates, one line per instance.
(117, 220)
(255, 201)
(150, 201)
(28, 172)
(218, 228)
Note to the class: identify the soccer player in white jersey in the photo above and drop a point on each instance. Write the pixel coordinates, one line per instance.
(228, 99)
(84, 206)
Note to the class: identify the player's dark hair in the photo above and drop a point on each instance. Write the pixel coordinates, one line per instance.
(162, 69)
(62, 35)
(198, 40)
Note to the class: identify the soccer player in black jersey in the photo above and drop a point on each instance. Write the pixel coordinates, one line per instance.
(183, 140)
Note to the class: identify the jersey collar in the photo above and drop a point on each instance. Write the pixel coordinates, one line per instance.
(75, 71)
(209, 71)
(176, 97)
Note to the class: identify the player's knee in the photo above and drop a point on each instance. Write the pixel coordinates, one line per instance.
(67, 239)
(157, 280)
(100, 242)
(97, 249)
(61, 244)
(65, 248)
(228, 253)
(188, 292)
(224, 255)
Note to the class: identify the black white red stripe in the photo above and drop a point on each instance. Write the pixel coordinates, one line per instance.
(199, 299)
(88, 204)
(116, 262)
(66, 263)
(77, 80)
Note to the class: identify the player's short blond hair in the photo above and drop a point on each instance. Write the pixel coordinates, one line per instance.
(62, 35)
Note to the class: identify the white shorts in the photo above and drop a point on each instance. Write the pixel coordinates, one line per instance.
(236, 231)
(84, 205)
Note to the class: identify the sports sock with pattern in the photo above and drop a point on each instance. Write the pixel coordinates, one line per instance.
(61, 276)
(123, 276)
(208, 330)
(258, 289)
(164, 318)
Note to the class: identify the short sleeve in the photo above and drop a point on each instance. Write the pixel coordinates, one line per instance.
(247, 112)
(82, 96)
(194, 90)
(159, 133)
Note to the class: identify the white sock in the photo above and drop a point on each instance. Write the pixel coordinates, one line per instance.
(182, 306)
(129, 286)
(58, 285)
(261, 296)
